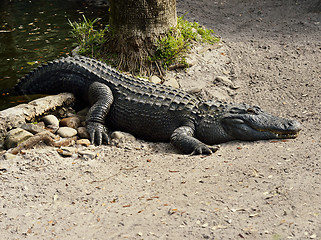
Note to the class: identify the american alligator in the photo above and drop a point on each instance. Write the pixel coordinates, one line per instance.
(153, 112)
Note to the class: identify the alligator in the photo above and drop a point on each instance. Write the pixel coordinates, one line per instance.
(151, 111)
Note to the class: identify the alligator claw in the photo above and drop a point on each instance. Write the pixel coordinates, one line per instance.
(97, 133)
(204, 150)
(214, 148)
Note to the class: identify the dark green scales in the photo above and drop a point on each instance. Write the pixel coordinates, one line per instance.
(152, 112)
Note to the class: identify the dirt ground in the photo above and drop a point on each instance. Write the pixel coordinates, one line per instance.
(246, 190)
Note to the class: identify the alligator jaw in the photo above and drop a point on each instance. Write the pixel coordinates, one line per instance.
(281, 134)
(283, 128)
(251, 129)
(287, 135)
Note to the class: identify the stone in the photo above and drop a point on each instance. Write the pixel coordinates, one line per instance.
(9, 156)
(13, 117)
(32, 128)
(84, 142)
(87, 154)
(52, 128)
(195, 90)
(67, 132)
(40, 124)
(225, 81)
(155, 79)
(83, 112)
(75, 51)
(15, 137)
(80, 117)
(67, 151)
(82, 132)
(122, 135)
(50, 120)
(37, 128)
(72, 122)
(172, 82)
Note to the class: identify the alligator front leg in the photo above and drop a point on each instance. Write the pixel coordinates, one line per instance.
(182, 138)
(100, 97)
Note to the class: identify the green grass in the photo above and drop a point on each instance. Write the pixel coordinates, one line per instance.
(174, 47)
(170, 50)
(89, 39)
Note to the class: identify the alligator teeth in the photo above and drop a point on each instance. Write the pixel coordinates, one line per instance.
(286, 135)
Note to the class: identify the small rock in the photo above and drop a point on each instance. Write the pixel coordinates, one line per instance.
(195, 90)
(70, 114)
(172, 82)
(75, 51)
(155, 79)
(84, 142)
(66, 132)
(50, 120)
(83, 112)
(87, 154)
(122, 135)
(65, 142)
(223, 80)
(82, 132)
(81, 118)
(205, 225)
(313, 236)
(67, 151)
(33, 128)
(72, 122)
(52, 128)
(15, 137)
(9, 156)
(40, 124)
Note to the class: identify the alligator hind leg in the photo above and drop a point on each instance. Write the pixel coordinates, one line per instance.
(182, 138)
(101, 98)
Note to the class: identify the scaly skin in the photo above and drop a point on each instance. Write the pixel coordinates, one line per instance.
(153, 112)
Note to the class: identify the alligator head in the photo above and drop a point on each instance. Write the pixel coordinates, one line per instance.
(222, 122)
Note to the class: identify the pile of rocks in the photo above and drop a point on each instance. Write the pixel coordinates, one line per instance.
(68, 135)
(52, 131)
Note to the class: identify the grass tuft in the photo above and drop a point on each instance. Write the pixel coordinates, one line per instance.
(89, 39)
(173, 48)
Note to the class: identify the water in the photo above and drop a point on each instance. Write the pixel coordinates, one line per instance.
(34, 32)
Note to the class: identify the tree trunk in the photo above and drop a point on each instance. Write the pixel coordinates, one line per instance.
(135, 25)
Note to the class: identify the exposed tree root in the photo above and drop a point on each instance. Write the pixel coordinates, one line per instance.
(44, 137)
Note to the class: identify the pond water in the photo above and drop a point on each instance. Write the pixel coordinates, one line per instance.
(33, 32)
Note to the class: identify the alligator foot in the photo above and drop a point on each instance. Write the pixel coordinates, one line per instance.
(97, 133)
(182, 138)
(205, 150)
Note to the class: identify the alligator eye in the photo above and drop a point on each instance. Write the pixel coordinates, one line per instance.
(250, 110)
(235, 110)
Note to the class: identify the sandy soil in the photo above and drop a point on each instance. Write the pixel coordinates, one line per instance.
(246, 190)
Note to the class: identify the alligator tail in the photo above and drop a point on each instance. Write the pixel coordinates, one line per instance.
(62, 75)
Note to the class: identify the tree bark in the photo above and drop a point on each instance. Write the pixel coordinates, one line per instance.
(135, 25)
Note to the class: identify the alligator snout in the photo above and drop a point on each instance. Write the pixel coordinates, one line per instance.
(293, 126)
